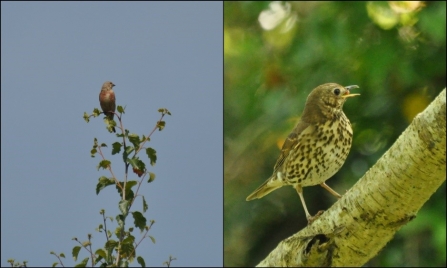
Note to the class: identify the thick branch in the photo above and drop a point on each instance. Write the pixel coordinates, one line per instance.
(387, 197)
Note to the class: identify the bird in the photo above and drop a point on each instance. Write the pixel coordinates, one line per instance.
(107, 100)
(316, 148)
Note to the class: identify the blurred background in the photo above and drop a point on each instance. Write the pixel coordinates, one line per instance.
(275, 53)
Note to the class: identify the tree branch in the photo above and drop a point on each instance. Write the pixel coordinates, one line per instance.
(387, 197)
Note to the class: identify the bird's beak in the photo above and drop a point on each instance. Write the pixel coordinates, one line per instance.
(348, 94)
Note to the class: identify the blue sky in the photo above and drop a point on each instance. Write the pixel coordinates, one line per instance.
(54, 59)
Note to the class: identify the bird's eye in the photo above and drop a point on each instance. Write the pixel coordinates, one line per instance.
(337, 91)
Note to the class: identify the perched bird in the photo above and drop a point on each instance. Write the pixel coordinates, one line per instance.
(317, 147)
(107, 100)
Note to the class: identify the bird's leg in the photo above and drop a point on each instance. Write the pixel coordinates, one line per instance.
(299, 190)
(334, 193)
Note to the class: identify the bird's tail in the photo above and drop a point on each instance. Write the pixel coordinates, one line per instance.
(267, 187)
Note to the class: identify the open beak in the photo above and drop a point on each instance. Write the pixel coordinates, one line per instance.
(348, 94)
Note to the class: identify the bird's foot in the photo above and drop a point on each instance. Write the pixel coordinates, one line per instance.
(311, 219)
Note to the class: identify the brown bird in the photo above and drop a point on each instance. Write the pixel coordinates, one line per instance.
(107, 100)
(317, 147)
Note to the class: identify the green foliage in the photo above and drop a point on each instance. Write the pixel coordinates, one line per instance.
(275, 53)
(122, 250)
(75, 252)
(168, 262)
(152, 154)
(13, 263)
(139, 220)
(145, 206)
(83, 263)
(141, 261)
(151, 177)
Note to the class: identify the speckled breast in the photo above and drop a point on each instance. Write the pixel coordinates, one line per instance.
(320, 153)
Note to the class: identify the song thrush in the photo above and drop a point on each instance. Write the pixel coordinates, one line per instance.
(107, 100)
(317, 147)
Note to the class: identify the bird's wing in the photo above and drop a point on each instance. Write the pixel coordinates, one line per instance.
(292, 141)
(112, 100)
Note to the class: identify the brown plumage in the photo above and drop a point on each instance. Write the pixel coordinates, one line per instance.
(317, 147)
(107, 100)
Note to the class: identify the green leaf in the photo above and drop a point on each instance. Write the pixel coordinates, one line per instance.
(139, 220)
(137, 163)
(110, 123)
(164, 111)
(152, 238)
(86, 117)
(111, 244)
(151, 177)
(129, 240)
(120, 109)
(135, 140)
(120, 220)
(141, 261)
(75, 252)
(117, 232)
(127, 152)
(152, 154)
(103, 183)
(138, 166)
(130, 184)
(96, 112)
(129, 193)
(143, 138)
(124, 206)
(161, 125)
(127, 248)
(83, 263)
(101, 252)
(145, 206)
(104, 164)
(116, 148)
(98, 259)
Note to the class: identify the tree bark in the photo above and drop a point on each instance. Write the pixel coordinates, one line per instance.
(387, 197)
